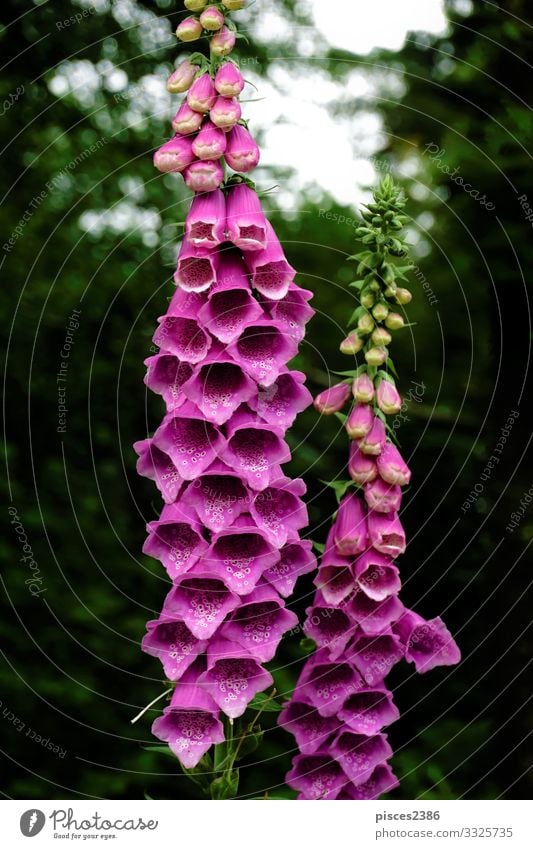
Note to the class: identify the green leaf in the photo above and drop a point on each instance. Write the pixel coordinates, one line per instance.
(226, 786)
(264, 703)
(390, 365)
(339, 487)
(307, 644)
(341, 417)
(161, 750)
(318, 545)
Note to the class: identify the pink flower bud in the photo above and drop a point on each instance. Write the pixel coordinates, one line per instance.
(181, 79)
(202, 95)
(225, 113)
(375, 439)
(212, 19)
(382, 496)
(222, 42)
(204, 176)
(242, 153)
(186, 121)
(210, 143)
(174, 155)
(352, 344)
(228, 80)
(350, 529)
(363, 389)
(386, 533)
(388, 398)
(392, 467)
(359, 421)
(362, 468)
(189, 30)
(246, 222)
(333, 399)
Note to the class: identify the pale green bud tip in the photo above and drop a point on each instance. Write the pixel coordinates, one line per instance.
(352, 344)
(380, 312)
(233, 5)
(189, 30)
(195, 5)
(376, 356)
(381, 336)
(403, 296)
(394, 321)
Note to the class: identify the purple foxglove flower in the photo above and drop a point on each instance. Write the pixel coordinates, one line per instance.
(197, 267)
(271, 273)
(262, 350)
(183, 338)
(228, 80)
(363, 389)
(218, 387)
(203, 175)
(171, 641)
(316, 776)
(218, 497)
(246, 222)
(239, 555)
(392, 467)
(369, 711)
(358, 754)
(388, 398)
(210, 143)
(383, 497)
(375, 439)
(190, 725)
(186, 120)
(386, 533)
(165, 375)
(293, 311)
(185, 304)
(295, 559)
(361, 467)
(255, 452)
(181, 79)
(381, 781)
(156, 465)
(191, 442)
(329, 627)
(231, 307)
(427, 643)
(377, 575)
(205, 224)
(175, 539)
(259, 624)
(212, 19)
(174, 155)
(335, 582)
(310, 730)
(327, 686)
(332, 400)
(359, 422)
(350, 526)
(242, 152)
(374, 657)
(202, 602)
(202, 94)
(280, 403)
(279, 512)
(233, 677)
(222, 42)
(225, 112)
(189, 29)
(374, 617)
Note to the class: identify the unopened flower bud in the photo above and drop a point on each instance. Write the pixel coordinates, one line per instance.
(202, 94)
(332, 400)
(181, 79)
(352, 344)
(362, 468)
(229, 81)
(363, 389)
(375, 439)
(394, 321)
(390, 291)
(204, 175)
(376, 356)
(186, 121)
(174, 155)
(366, 324)
(222, 42)
(403, 296)
(189, 30)
(359, 421)
(392, 467)
(380, 336)
(388, 398)
(367, 299)
(195, 5)
(380, 312)
(212, 19)
(233, 5)
(225, 113)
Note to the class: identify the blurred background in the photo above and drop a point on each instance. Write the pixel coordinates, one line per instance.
(435, 93)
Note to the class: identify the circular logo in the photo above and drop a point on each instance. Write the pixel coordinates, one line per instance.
(32, 822)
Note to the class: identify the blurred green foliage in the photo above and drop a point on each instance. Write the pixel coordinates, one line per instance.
(98, 231)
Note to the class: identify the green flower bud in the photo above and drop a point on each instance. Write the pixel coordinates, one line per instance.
(195, 5)
(381, 336)
(367, 299)
(390, 291)
(233, 5)
(403, 296)
(394, 321)
(376, 356)
(380, 312)
(366, 324)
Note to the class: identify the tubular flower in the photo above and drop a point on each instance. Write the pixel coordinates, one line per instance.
(341, 703)
(228, 536)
